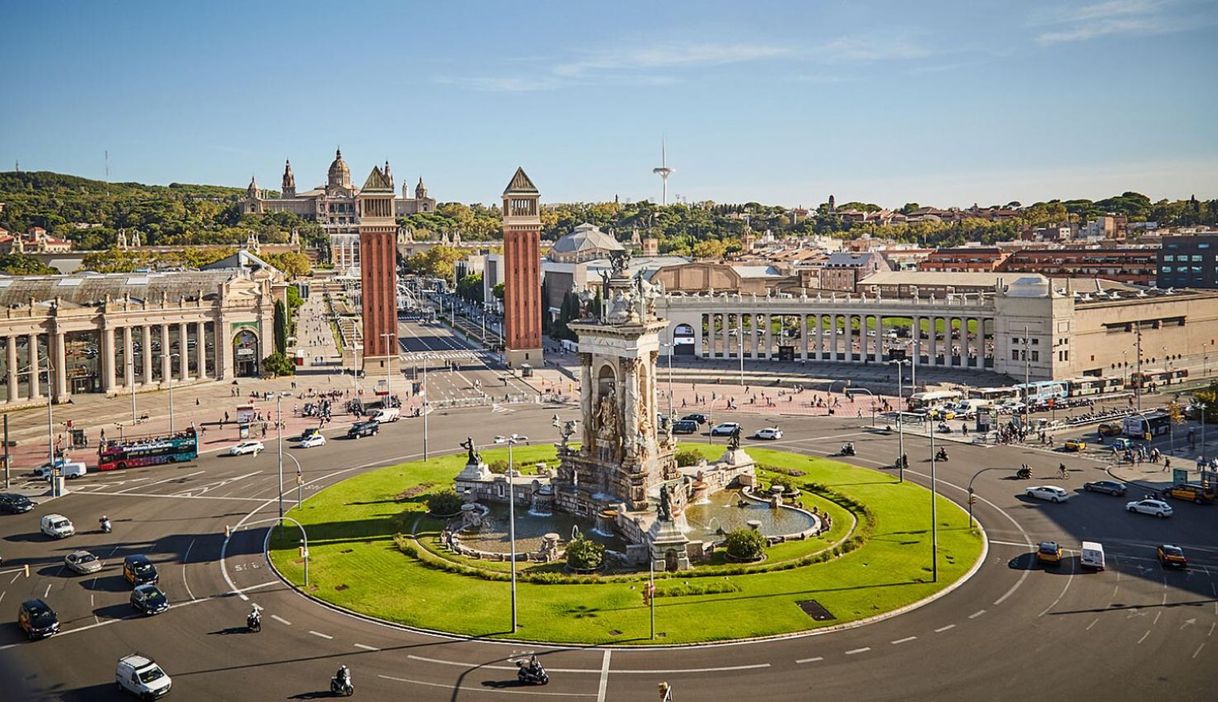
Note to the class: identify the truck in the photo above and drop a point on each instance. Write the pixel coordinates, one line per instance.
(68, 469)
(1092, 555)
(387, 414)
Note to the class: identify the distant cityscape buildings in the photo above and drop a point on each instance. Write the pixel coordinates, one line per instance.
(333, 205)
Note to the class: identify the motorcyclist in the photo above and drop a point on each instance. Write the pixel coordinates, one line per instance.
(941, 455)
(848, 448)
(253, 619)
(343, 676)
(104, 523)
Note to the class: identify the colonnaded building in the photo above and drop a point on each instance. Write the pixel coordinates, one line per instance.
(1048, 329)
(333, 205)
(109, 333)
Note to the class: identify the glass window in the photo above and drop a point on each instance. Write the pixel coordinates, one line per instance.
(1203, 246)
(1196, 258)
(1035, 356)
(1165, 269)
(1169, 258)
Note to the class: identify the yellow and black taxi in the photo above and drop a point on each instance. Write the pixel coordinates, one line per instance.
(37, 619)
(1192, 493)
(138, 570)
(1049, 553)
(1076, 445)
(1171, 556)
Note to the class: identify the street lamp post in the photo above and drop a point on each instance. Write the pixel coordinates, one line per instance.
(279, 441)
(511, 441)
(970, 495)
(740, 344)
(170, 381)
(131, 382)
(388, 363)
(671, 350)
(423, 406)
(934, 521)
(900, 363)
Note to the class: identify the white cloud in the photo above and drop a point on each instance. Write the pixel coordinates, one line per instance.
(880, 46)
(501, 84)
(672, 55)
(1119, 17)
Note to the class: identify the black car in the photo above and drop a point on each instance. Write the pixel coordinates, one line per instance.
(13, 503)
(363, 429)
(138, 570)
(696, 417)
(684, 426)
(37, 619)
(1111, 487)
(149, 599)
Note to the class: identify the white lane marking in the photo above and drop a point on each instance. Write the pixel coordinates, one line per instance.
(198, 491)
(17, 575)
(817, 659)
(2, 598)
(1009, 543)
(1060, 595)
(853, 651)
(976, 614)
(185, 558)
(449, 686)
(158, 482)
(1212, 629)
(1198, 651)
(44, 595)
(1093, 623)
(604, 683)
(1144, 636)
(942, 629)
(319, 634)
(367, 648)
(1156, 619)
(185, 497)
(283, 621)
(907, 639)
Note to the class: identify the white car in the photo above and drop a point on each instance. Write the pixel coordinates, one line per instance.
(1051, 493)
(1157, 508)
(312, 440)
(82, 562)
(141, 676)
(769, 433)
(724, 429)
(244, 447)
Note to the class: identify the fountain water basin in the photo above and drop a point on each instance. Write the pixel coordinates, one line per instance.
(727, 511)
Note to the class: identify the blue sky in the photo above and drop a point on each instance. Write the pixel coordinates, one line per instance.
(785, 102)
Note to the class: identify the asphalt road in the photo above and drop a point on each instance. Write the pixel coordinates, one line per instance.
(1014, 630)
(456, 371)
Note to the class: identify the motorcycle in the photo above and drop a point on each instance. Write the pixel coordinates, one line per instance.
(941, 455)
(253, 622)
(341, 687)
(847, 450)
(105, 525)
(530, 675)
(1023, 474)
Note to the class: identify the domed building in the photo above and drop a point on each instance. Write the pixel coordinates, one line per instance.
(333, 205)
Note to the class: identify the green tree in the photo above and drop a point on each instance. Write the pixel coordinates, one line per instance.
(281, 327)
(278, 364)
(444, 503)
(24, 264)
(293, 263)
(745, 544)
(435, 262)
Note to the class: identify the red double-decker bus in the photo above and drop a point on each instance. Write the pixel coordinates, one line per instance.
(135, 451)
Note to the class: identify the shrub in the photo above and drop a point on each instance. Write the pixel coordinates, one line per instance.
(498, 466)
(745, 544)
(443, 503)
(585, 554)
(688, 457)
(278, 364)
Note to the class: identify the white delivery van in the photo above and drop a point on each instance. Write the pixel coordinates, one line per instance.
(141, 676)
(1092, 555)
(67, 469)
(57, 526)
(388, 414)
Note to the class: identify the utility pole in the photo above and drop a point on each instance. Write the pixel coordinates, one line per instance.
(423, 407)
(1137, 388)
(740, 340)
(279, 440)
(1027, 382)
(934, 518)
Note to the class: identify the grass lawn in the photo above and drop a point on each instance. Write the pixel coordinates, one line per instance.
(354, 563)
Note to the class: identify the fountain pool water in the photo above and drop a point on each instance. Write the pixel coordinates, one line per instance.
(720, 511)
(530, 531)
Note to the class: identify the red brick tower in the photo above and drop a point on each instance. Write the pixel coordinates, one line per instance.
(378, 272)
(522, 271)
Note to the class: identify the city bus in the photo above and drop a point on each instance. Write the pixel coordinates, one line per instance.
(1093, 385)
(1040, 392)
(924, 400)
(994, 395)
(1157, 376)
(135, 451)
(1147, 425)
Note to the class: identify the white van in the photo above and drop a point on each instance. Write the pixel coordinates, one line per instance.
(67, 469)
(141, 676)
(1092, 555)
(57, 526)
(388, 414)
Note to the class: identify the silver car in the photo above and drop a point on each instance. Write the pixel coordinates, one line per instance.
(82, 562)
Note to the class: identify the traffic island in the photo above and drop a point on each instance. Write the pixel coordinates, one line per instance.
(376, 551)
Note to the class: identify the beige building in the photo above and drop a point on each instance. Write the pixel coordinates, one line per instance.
(110, 333)
(333, 206)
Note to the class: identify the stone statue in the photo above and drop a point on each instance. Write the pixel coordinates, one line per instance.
(473, 458)
(618, 262)
(733, 440)
(606, 417)
(567, 431)
(665, 505)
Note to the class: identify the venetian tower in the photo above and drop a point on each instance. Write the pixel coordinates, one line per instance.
(378, 273)
(522, 270)
(622, 458)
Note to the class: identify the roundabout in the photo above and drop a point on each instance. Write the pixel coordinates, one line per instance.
(374, 550)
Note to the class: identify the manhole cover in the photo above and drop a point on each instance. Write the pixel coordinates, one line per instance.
(816, 610)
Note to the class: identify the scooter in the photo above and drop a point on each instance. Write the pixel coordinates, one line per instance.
(253, 622)
(1023, 474)
(529, 675)
(941, 455)
(105, 526)
(341, 687)
(847, 450)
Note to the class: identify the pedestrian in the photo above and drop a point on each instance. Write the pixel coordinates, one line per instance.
(1166, 464)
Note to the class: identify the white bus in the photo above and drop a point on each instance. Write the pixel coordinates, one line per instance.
(924, 400)
(1040, 392)
(994, 395)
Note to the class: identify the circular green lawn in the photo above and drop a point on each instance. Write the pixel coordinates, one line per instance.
(373, 550)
